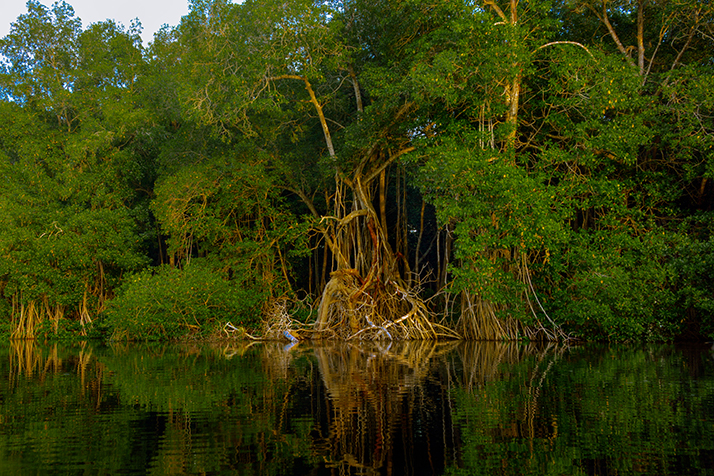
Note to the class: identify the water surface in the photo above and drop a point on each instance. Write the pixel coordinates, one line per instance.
(403, 409)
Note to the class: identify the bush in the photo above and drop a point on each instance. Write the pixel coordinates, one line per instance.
(172, 303)
(66, 331)
(619, 289)
(693, 266)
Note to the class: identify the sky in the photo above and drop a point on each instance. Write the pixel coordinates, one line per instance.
(152, 13)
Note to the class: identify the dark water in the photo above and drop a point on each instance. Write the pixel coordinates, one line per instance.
(404, 409)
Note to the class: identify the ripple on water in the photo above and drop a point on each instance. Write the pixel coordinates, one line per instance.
(417, 408)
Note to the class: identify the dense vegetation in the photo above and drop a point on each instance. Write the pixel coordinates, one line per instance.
(507, 169)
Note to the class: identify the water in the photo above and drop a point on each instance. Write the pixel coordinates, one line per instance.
(402, 409)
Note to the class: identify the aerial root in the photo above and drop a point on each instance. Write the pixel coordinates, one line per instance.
(233, 332)
(373, 310)
(280, 325)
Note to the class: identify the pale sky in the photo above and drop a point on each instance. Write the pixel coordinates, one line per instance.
(152, 13)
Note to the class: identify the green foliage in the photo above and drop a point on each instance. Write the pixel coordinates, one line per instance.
(552, 143)
(65, 229)
(68, 161)
(617, 287)
(40, 56)
(66, 331)
(228, 209)
(172, 303)
(498, 212)
(693, 268)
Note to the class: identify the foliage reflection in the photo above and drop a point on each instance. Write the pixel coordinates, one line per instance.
(377, 408)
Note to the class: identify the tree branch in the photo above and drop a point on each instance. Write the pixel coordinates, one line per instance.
(330, 242)
(640, 36)
(318, 108)
(686, 45)
(352, 215)
(497, 9)
(612, 32)
(565, 43)
(355, 85)
(386, 164)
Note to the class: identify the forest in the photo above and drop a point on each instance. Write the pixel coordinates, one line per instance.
(361, 169)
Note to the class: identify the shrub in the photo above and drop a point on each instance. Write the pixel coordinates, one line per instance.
(693, 266)
(619, 289)
(172, 303)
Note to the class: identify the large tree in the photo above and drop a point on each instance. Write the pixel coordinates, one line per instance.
(517, 167)
(287, 75)
(67, 155)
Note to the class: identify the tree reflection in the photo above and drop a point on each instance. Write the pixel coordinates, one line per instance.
(30, 359)
(389, 406)
(376, 400)
(375, 408)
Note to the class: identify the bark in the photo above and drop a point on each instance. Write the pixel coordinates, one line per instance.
(421, 235)
(611, 30)
(403, 223)
(512, 86)
(684, 48)
(355, 85)
(318, 109)
(514, 90)
(640, 36)
(383, 201)
(497, 9)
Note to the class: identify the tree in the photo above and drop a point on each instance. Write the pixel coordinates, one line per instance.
(68, 124)
(282, 74)
(524, 169)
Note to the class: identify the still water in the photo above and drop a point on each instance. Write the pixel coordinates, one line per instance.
(418, 408)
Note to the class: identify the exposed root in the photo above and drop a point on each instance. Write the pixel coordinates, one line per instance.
(27, 318)
(233, 332)
(554, 332)
(279, 324)
(480, 320)
(369, 309)
(366, 297)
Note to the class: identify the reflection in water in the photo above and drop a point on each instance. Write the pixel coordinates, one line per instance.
(28, 360)
(377, 400)
(376, 408)
(483, 362)
(487, 363)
